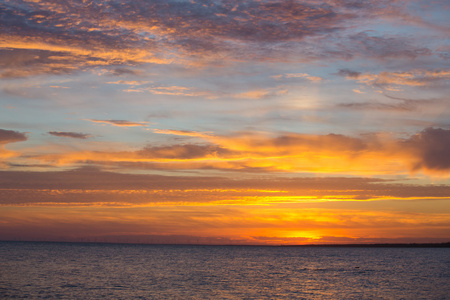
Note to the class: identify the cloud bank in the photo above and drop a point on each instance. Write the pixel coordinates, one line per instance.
(60, 37)
(426, 151)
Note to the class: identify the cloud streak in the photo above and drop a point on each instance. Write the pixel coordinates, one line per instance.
(120, 123)
(90, 187)
(75, 135)
(393, 80)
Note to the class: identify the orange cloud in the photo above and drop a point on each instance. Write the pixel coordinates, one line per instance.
(260, 94)
(394, 80)
(298, 75)
(129, 82)
(93, 187)
(120, 123)
(291, 152)
(183, 133)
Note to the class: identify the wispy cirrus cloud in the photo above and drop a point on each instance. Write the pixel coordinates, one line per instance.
(179, 91)
(261, 93)
(188, 133)
(120, 123)
(298, 75)
(130, 82)
(396, 104)
(393, 80)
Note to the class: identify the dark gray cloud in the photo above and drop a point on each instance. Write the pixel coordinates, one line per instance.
(10, 136)
(383, 47)
(399, 104)
(432, 146)
(289, 142)
(402, 107)
(349, 73)
(229, 19)
(75, 135)
(125, 71)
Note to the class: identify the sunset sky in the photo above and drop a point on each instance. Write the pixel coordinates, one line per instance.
(225, 122)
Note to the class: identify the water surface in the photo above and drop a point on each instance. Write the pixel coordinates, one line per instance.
(121, 271)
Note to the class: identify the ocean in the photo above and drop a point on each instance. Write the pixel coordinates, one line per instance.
(38, 270)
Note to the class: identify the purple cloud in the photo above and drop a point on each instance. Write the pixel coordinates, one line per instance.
(75, 135)
(10, 136)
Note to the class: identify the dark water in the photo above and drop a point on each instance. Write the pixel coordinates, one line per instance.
(112, 271)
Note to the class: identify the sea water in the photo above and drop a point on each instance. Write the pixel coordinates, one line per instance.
(122, 271)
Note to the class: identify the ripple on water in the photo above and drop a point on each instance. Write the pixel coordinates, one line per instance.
(91, 271)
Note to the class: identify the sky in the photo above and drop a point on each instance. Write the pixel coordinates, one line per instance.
(225, 122)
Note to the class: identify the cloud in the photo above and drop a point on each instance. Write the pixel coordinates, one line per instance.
(349, 73)
(75, 135)
(90, 186)
(383, 47)
(260, 93)
(298, 75)
(6, 137)
(120, 123)
(398, 104)
(124, 71)
(228, 20)
(59, 38)
(166, 90)
(49, 38)
(186, 151)
(432, 148)
(401, 107)
(393, 80)
(10, 136)
(183, 133)
(129, 82)
(289, 152)
(179, 91)
(16, 63)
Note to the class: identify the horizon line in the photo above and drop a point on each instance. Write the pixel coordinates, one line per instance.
(352, 245)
